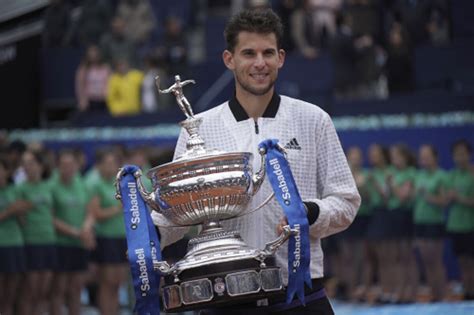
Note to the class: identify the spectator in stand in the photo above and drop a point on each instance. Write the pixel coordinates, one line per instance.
(399, 64)
(110, 252)
(429, 219)
(115, 44)
(438, 27)
(92, 77)
(174, 46)
(74, 227)
(151, 100)
(365, 16)
(13, 261)
(302, 31)
(139, 19)
(323, 17)
(460, 226)
(415, 16)
(123, 90)
(39, 234)
(93, 21)
(285, 9)
(56, 24)
(344, 55)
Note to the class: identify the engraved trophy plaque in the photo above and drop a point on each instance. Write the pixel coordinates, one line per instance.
(203, 187)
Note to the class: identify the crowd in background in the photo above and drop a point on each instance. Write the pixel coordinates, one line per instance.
(61, 229)
(394, 250)
(371, 44)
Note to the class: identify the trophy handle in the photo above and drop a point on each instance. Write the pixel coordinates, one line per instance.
(258, 177)
(163, 267)
(271, 247)
(149, 197)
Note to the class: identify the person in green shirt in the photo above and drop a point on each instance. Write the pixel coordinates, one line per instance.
(13, 260)
(110, 253)
(38, 233)
(460, 223)
(354, 262)
(381, 288)
(399, 224)
(428, 215)
(74, 227)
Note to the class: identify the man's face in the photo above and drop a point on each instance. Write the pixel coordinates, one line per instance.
(255, 62)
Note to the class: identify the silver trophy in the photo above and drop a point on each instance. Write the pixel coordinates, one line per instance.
(205, 186)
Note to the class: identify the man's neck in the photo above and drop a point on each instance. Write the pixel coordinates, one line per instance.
(253, 105)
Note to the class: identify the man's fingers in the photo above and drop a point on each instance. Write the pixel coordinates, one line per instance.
(281, 224)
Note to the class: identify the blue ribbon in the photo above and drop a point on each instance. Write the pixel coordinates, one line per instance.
(286, 192)
(143, 245)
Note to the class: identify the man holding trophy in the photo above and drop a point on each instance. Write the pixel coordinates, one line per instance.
(212, 182)
(313, 149)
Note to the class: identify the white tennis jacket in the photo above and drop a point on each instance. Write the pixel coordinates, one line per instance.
(317, 161)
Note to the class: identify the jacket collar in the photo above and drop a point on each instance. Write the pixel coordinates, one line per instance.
(240, 114)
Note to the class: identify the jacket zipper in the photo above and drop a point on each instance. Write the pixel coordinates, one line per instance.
(256, 128)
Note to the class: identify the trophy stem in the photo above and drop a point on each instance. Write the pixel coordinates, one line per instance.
(211, 227)
(195, 143)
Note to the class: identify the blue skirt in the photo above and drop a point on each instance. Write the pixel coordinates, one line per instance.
(430, 231)
(72, 259)
(110, 251)
(41, 257)
(396, 224)
(13, 259)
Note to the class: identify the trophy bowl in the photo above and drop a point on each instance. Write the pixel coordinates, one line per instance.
(204, 189)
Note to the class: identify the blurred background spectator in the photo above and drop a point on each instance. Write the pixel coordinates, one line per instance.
(138, 19)
(115, 44)
(93, 21)
(123, 90)
(92, 77)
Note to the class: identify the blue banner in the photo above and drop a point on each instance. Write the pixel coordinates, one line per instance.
(286, 192)
(143, 245)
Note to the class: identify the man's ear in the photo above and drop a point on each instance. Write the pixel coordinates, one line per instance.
(281, 57)
(228, 59)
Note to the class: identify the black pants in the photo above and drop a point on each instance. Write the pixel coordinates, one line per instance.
(316, 307)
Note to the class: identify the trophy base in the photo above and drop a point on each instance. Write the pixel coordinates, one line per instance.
(219, 268)
(224, 283)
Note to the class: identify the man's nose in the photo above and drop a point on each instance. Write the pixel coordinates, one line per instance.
(259, 61)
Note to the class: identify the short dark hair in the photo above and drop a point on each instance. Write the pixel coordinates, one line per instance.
(262, 21)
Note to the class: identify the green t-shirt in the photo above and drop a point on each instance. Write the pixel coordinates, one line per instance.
(428, 182)
(91, 177)
(10, 232)
(38, 227)
(400, 177)
(363, 187)
(461, 217)
(70, 202)
(378, 176)
(113, 226)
